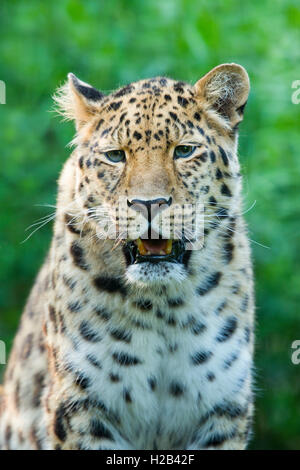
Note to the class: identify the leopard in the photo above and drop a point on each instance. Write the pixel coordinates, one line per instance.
(144, 339)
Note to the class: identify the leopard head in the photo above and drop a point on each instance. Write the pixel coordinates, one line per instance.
(153, 150)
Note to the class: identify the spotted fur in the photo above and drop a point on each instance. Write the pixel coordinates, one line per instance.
(118, 356)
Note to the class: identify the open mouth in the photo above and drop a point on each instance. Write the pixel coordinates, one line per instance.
(154, 251)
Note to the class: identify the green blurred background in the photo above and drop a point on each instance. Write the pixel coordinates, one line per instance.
(109, 43)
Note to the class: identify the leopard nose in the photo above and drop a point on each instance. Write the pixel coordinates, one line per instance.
(149, 208)
(161, 203)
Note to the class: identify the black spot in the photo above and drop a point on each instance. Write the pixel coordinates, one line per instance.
(245, 303)
(123, 115)
(182, 101)
(144, 305)
(204, 189)
(59, 428)
(137, 135)
(121, 335)
(178, 87)
(87, 333)
(102, 313)
(52, 314)
(124, 91)
(198, 328)
(8, 434)
(212, 156)
(228, 252)
(212, 201)
(210, 283)
(127, 396)
(230, 409)
(94, 361)
(219, 174)
(82, 381)
(27, 346)
(80, 162)
(201, 357)
(168, 98)
(125, 359)
(115, 105)
(218, 439)
(225, 190)
(173, 115)
(114, 377)
(200, 130)
(110, 284)
(223, 155)
(197, 116)
(70, 225)
(171, 321)
(38, 387)
(99, 430)
(78, 255)
(203, 157)
(228, 362)
(186, 257)
(227, 330)
(175, 302)
(101, 121)
(100, 174)
(247, 334)
(211, 377)
(75, 306)
(106, 131)
(152, 383)
(176, 389)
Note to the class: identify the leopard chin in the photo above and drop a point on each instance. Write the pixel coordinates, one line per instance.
(156, 274)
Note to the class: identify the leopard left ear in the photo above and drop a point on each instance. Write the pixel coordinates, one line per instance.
(225, 89)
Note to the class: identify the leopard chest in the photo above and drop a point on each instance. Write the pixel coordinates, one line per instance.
(159, 375)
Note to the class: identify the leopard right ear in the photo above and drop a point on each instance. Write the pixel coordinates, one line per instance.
(225, 89)
(77, 100)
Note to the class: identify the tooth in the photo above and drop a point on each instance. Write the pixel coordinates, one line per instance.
(169, 247)
(141, 247)
(161, 252)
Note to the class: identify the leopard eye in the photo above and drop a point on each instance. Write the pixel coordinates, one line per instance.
(184, 151)
(115, 156)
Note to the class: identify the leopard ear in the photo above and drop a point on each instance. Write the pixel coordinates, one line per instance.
(77, 100)
(225, 89)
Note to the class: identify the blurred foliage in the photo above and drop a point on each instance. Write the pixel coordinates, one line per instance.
(116, 42)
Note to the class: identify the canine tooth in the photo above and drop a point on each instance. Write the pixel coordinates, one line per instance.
(169, 247)
(141, 247)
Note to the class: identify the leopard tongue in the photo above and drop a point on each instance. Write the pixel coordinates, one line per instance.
(154, 247)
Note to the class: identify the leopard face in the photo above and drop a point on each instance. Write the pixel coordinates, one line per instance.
(152, 150)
